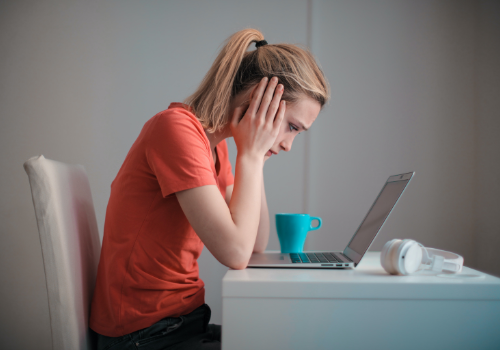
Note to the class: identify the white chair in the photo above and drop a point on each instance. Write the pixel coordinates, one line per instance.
(70, 247)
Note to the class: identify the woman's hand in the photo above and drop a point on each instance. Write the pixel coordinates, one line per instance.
(256, 132)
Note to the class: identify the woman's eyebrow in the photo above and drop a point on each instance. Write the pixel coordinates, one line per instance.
(300, 124)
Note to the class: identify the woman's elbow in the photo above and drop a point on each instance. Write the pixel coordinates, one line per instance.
(237, 264)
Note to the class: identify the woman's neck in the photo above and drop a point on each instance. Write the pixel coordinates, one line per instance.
(216, 137)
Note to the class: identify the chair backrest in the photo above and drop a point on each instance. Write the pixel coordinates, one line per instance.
(70, 247)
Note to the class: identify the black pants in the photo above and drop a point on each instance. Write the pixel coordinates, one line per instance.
(190, 331)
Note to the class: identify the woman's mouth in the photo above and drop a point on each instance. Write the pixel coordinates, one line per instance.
(269, 153)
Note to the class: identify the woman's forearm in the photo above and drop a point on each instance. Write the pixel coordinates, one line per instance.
(245, 204)
(263, 230)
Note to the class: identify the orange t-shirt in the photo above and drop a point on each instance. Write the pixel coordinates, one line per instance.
(148, 268)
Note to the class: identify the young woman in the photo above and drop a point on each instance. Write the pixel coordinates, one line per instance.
(175, 193)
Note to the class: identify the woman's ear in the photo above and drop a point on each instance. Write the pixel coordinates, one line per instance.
(252, 90)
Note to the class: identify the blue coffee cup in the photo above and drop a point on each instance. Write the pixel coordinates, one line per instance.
(292, 230)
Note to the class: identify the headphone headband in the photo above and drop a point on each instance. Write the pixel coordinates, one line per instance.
(451, 261)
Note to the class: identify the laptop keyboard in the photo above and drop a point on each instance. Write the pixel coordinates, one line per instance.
(315, 258)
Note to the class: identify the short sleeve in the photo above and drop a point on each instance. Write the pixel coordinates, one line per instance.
(178, 152)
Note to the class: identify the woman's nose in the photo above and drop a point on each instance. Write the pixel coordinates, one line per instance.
(286, 145)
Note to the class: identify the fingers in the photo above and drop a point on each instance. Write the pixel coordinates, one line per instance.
(267, 98)
(257, 97)
(265, 104)
(275, 104)
(279, 116)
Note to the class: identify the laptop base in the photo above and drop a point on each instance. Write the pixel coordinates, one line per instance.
(289, 260)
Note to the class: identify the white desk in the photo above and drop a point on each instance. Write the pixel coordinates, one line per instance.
(362, 308)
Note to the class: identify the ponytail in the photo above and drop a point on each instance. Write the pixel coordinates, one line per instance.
(235, 70)
(210, 102)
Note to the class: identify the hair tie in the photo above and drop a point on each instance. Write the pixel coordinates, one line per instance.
(260, 43)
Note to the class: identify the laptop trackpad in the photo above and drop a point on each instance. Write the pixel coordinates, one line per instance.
(269, 258)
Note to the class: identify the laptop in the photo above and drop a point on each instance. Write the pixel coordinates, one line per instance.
(357, 246)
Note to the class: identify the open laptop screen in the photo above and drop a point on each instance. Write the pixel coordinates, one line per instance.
(378, 213)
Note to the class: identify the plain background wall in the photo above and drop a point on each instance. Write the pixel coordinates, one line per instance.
(415, 86)
(402, 78)
(488, 138)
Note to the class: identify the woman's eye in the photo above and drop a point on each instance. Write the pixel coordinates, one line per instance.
(292, 127)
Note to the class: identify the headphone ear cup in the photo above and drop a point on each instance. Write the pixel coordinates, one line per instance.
(412, 258)
(395, 256)
(383, 255)
(386, 257)
(400, 257)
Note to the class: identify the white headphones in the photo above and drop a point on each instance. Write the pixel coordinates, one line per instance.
(407, 256)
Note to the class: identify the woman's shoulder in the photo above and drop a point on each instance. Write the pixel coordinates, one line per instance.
(176, 120)
(177, 113)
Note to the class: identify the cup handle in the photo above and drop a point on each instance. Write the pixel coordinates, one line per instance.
(311, 228)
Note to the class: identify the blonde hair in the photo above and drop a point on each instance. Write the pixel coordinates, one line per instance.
(235, 70)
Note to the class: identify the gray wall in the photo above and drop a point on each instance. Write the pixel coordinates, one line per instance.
(487, 218)
(415, 86)
(402, 77)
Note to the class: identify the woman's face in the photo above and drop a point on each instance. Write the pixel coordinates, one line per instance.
(299, 117)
